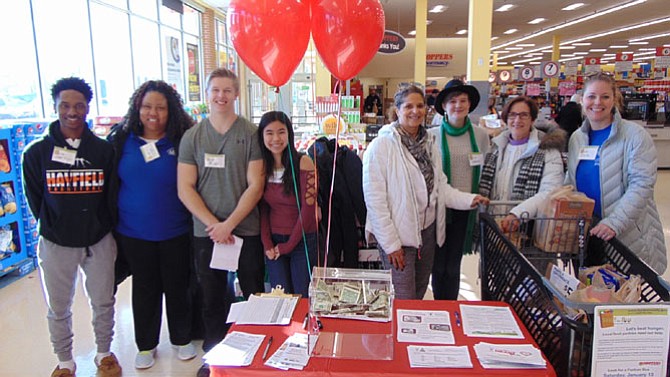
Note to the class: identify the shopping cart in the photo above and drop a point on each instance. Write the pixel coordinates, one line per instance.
(507, 275)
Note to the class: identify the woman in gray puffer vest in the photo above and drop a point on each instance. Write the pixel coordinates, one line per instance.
(613, 161)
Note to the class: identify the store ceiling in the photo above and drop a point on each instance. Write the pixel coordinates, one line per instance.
(400, 16)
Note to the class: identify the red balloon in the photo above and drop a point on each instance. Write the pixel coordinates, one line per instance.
(270, 36)
(347, 34)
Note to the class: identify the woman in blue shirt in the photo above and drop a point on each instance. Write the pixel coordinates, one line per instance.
(153, 225)
(613, 161)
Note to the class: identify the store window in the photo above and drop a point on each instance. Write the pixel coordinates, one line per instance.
(145, 8)
(19, 88)
(191, 20)
(113, 63)
(146, 50)
(64, 45)
(170, 17)
(118, 3)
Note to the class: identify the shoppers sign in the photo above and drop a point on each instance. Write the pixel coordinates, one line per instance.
(438, 60)
(392, 43)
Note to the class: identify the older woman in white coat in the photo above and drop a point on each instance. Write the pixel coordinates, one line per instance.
(406, 194)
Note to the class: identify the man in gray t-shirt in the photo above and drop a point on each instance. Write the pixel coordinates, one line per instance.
(220, 180)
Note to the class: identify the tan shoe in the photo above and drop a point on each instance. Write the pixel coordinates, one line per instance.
(62, 372)
(109, 367)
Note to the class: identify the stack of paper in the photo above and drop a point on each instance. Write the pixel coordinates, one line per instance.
(439, 357)
(236, 349)
(292, 354)
(263, 311)
(490, 321)
(509, 356)
(424, 326)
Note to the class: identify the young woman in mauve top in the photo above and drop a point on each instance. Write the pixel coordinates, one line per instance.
(288, 218)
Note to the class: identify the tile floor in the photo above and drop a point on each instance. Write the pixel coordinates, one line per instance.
(24, 338)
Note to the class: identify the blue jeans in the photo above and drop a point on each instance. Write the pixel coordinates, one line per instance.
(291, 270)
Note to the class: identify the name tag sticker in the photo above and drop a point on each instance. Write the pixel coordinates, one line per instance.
(476, 159)
(215, 160)
(149, 152)
(63, 155)
(588, 153)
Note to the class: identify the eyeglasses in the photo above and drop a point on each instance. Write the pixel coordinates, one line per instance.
(522, 116)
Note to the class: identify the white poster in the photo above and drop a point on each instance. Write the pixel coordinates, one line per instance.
(174, 62)
(571, 67)
(631, 340)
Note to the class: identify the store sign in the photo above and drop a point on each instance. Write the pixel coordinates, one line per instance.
(392, 43)
(492, 77)
(527, 73)
(505, 75)
(173, 62)
(662, 57)
(550, 69)
(567, 88)
(571, 67)
(624, 62)
(591, 65)
(438, 60)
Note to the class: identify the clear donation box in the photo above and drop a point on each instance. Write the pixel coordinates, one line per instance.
(351, 295)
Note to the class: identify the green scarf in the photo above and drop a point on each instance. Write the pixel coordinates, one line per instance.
(448, 129)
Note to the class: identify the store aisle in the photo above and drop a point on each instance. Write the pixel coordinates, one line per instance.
(26, 350)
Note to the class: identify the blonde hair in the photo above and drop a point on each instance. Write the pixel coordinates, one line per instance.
(608, 79)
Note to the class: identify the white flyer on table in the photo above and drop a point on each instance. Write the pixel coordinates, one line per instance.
(236, 349)
(490, 322)
(263, 311)
(439, 357)
(226, 256)
(509, 356)
(630, 340)
(424, 326)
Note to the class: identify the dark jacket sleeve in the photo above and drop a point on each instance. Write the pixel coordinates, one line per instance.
(33, 179)
(353, 174)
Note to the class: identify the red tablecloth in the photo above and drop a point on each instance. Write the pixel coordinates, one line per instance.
(399, 366)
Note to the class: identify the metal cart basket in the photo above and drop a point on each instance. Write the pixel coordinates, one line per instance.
(507, 275)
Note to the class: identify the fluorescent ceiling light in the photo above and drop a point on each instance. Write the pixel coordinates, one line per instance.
(413, 32)
(537, 21)
(574, 22)
(528, 56)
(621, 30)
(526, 45)
(598, 50)
(567, 47)
(494, 38)
(510, 31)
(646, 49)
(506, 8)
(619, 46)
(638, 43)
(461, 32)
(534, 63)
(428, 22)
(581, 53)
(582, 44)
(502, 52)
(502, 63)
(626, 52)
(547, 51)
(609, 54)
(567, 55)
(649, 37)
(524, 61)
(515, 48)
(438, 9)
(574, 6)
(567, 59)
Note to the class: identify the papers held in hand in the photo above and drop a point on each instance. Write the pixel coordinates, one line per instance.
(263, 310)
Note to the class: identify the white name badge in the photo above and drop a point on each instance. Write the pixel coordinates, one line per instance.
(476, 159)
(63, 155)
(149, 152)
(215, 160)
(588, 153)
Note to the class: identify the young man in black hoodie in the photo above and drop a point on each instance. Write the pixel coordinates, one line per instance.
(65, 183)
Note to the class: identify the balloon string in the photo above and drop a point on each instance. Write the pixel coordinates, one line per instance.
(332, 180)
(312, 68)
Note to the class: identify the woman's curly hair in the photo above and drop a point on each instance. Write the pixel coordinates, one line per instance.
(178, 119)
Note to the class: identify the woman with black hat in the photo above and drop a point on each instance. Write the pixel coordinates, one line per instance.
(463, 147)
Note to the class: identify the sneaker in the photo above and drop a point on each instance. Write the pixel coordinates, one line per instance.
(203, 371)
(109, 367)
(62, 372)
(186, 352)
(145, 359)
